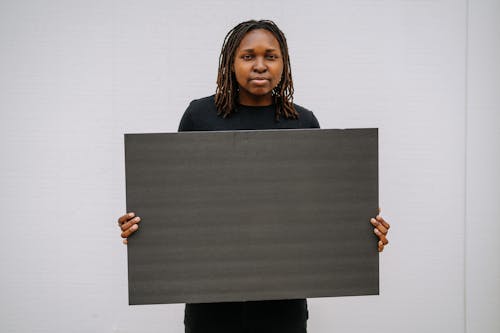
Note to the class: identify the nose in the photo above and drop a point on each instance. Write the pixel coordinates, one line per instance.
(259, 65)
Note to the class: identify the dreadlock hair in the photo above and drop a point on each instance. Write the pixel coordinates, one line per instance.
(226, 95)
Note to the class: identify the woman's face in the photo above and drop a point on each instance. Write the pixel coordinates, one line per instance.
(258, 66)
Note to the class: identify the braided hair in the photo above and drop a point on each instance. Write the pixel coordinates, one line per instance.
(226, 95)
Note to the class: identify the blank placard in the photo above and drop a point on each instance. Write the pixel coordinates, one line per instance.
(252, 215)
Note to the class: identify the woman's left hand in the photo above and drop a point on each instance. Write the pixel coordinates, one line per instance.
(381, 229)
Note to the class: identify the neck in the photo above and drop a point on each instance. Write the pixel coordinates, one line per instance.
(253, 100)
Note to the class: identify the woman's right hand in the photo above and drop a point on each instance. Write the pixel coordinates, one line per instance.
(128, 225)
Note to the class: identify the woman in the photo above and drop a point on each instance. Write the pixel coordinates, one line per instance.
(254, 92)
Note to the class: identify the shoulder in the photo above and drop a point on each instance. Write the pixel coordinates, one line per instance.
(199, 112)
(306, 117)
(203, 104)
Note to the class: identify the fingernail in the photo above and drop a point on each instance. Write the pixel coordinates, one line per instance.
(131, 214)
(137, 219)
(134, 227)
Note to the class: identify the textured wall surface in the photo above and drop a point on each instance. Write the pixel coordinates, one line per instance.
(483, 162)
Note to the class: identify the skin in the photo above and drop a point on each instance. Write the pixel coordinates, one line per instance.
(381, 229)
(258, 67)
(128, 223)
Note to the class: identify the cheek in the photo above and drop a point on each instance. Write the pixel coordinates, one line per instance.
(239, 77)
(239, 72)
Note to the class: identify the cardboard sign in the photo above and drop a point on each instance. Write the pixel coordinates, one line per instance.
(252, 215)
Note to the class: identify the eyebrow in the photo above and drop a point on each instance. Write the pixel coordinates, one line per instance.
(252, 50)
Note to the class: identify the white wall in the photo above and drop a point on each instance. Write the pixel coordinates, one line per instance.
(483, 168)
(76, 75)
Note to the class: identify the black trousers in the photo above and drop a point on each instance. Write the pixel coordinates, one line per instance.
(284, 316)
(246, 330)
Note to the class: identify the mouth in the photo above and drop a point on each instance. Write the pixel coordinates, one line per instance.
(259, 80)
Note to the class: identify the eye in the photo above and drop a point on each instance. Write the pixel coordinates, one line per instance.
(247, 57)
(272, 56)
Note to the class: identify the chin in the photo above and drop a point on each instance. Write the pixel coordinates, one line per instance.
(261, 93)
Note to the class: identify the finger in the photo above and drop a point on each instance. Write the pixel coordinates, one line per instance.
(125, 218)
(130, 223)
(382, 229)
(129, 231)
(125, 241)
(378, 225)
(381, 236)
(384, 222)
(374, 222)
(380, 246)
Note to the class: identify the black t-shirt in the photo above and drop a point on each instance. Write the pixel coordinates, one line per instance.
(201, 115)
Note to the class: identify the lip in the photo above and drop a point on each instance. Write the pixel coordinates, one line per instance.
(259, 80)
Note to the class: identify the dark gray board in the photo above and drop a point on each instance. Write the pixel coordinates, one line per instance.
(252, 215)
